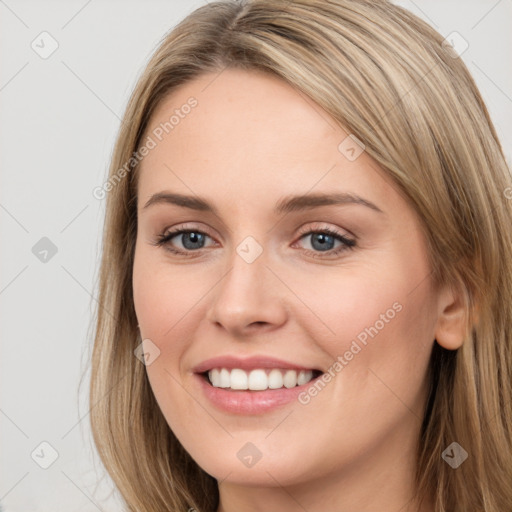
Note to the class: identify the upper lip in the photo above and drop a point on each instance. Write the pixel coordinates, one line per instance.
(247, 363)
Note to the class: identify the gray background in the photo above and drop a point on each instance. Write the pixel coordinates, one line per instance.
(60, 116)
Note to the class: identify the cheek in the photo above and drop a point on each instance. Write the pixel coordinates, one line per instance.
(379, 318)
(164, 303)
(356, 304)
(163, 297)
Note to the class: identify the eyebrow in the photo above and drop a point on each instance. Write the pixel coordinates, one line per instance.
(287, 204)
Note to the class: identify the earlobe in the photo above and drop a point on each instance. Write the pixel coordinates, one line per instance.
(452, 319)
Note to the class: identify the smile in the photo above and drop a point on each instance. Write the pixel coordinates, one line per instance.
(259, 379)
(252, 385)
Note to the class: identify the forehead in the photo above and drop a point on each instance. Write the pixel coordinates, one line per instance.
(240, 109)
(249, 132)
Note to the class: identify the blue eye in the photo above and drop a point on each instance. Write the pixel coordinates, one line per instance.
(193, 240)
(323, 241)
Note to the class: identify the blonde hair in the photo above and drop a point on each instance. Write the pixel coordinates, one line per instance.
(385, 76)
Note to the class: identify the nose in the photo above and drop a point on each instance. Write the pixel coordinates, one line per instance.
(248, 299)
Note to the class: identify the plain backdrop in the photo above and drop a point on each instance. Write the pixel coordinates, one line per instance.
(59, 118)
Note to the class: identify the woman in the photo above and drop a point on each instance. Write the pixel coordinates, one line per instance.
(307, 271)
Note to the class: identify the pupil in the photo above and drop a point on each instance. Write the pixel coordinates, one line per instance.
(323, 240)
(195, 238)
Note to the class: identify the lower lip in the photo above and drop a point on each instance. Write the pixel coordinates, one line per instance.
(250, 402)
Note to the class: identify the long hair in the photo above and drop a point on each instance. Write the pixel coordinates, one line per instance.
(385, 76)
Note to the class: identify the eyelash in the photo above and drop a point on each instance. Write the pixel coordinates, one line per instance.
(164, 238)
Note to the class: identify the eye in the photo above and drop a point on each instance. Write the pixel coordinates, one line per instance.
(190, 239)
(324, 240)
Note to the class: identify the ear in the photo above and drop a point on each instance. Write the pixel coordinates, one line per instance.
(452, 318)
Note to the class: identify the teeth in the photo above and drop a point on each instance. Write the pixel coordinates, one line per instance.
(304, 377)
(259, 379)
(225, 378)
(275, 379)
(239, 379)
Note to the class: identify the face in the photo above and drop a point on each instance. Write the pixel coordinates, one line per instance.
(250, 281)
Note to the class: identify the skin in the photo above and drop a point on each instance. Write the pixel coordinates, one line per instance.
(251, 140)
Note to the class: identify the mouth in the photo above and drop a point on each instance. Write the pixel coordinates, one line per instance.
(255, 384)
(258, 379)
